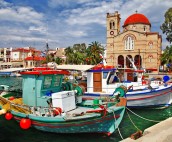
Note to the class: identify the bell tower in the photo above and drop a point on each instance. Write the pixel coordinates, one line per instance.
(113, 24)
(112, 29)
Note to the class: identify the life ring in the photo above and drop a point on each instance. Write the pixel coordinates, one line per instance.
(57, 111)
(111, 32)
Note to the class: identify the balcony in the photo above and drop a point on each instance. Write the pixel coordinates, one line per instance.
(17, 60)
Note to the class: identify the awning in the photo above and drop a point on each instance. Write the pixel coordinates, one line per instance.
(6, 64)
(13, 70)
(74, 67)
(5, 73)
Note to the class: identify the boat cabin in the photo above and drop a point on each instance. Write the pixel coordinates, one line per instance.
(106, 78)
(38, 86)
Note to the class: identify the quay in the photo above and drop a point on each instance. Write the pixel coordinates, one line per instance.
(160, 132)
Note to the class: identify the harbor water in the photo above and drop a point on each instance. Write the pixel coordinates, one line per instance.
(10, 130)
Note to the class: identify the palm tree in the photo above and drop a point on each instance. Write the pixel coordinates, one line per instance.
(94, 53)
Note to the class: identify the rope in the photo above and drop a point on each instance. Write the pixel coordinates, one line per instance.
(117, 126)
(132, 121)
(142, 117)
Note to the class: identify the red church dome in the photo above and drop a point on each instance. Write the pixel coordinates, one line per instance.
(136, 19)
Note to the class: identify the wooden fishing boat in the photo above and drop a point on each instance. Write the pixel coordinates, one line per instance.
(48, 105)
(141, 93)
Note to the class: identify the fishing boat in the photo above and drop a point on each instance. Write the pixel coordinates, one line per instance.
(142, 92)
(47, 104)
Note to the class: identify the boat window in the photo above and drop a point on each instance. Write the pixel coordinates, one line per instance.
(105, 75)
(47, 82)
(57, 80)
(113, 77)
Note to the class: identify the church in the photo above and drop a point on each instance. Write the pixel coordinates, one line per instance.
(134, 44)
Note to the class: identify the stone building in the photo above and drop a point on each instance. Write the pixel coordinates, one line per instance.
(136, 42)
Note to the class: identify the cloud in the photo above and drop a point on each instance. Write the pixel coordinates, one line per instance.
(67, 3)
(20, 14)
(64, 23)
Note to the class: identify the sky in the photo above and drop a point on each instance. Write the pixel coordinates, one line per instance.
(63, 23)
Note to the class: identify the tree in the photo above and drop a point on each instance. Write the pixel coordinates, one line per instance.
(166, 57)
(94, 53)
(59, 60)
(69, 55)
(78, 58)
(166, 27)
(79, 54)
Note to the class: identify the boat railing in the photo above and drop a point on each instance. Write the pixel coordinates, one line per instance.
(20, 108)
(36, 110)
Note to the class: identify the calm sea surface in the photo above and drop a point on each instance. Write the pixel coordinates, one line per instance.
(10, 131)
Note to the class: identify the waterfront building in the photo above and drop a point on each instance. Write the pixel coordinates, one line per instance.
(5, 58)
(25, 57)
(136, 42)
(60, 52)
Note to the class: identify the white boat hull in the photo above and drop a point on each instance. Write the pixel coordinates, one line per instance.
(161, 96)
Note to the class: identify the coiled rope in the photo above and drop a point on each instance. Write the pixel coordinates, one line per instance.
(141, 116)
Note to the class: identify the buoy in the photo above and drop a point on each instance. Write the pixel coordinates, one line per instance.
(57, 111)
(25, 123)
(166, 78)
(11, 98)
(8, 116)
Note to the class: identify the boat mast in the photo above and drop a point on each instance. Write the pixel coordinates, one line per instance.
(132, 62)
(47, 47)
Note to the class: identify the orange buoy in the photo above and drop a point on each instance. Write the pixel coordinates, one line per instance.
(25, 123)
(8, 116)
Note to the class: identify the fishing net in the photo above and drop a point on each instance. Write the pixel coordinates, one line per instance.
(15, 105)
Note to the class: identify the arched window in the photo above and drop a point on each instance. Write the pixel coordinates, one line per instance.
(150, 57)
(121, 61)
(112, 25)
(129, 43)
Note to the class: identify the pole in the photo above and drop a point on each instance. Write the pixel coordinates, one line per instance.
(139, 59)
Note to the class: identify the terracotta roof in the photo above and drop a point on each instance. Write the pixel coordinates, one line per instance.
(36, 58)
(25, 50)
(136, 19)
